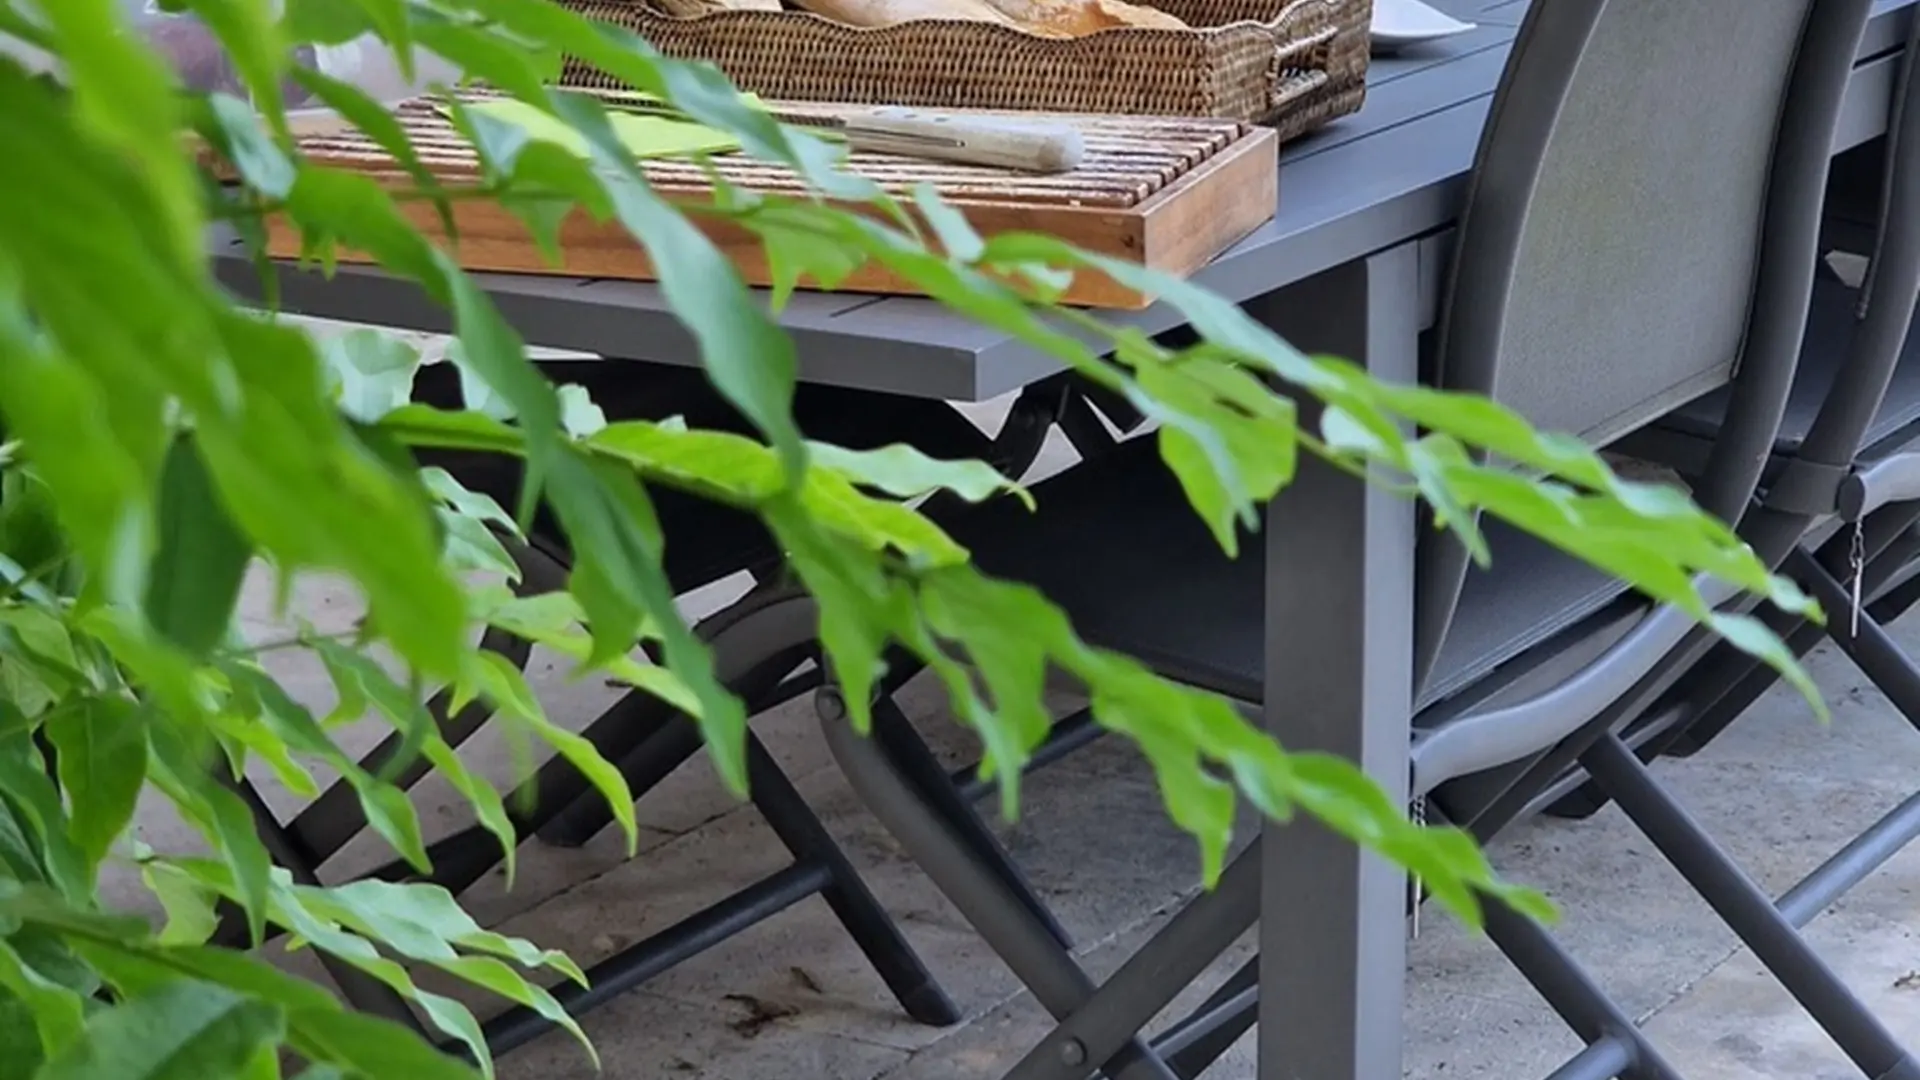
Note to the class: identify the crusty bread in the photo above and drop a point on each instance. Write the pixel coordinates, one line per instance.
(1150, 18)
(888, 12)
(1075, 18)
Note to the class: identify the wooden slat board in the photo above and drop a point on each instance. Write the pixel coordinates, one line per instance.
(1169, 193)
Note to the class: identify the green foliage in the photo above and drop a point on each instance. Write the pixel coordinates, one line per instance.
(162, 440)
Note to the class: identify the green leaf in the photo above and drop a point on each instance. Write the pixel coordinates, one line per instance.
(375, 120)
(388, 807)
(325, 22)
(1751, 636)
(473, 522)
(903, 470)
(101, 750)
(500, 682)
(390, 813)
(124, 95)
(219, 813)
(375, 371)
(491, 350)
(467, 503)
(395, 25)
(25, 785)
(488, 55)
(253, 43)
(181, 1031)
(372, 1047)
(750, 360)
(139, 966)
(424, 426)
(58, 1013)
(471, 546)
(581, 417)
(260, 161)
(191, 918)
(18, 860)
(423, 923)
(239, 843)
(20, 1039)
(954, 232)
(485, 799)
(490, 974)
(197, 572)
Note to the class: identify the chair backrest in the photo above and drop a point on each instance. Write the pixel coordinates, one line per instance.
(1641, 228)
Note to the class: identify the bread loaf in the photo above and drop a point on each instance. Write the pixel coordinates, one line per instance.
(1150, 18)
(889, 12)
(1076, 18)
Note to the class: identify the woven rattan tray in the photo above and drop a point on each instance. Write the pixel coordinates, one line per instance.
(1290, 64)
(1165, 193)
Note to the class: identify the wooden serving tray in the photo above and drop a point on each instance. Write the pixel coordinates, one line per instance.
(1167, 193)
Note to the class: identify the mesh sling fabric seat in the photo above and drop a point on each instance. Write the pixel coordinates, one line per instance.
(1632, 145)
(764, 650)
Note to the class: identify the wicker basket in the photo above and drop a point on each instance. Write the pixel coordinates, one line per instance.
(1291, 64)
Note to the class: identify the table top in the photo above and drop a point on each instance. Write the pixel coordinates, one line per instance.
(1391, 173)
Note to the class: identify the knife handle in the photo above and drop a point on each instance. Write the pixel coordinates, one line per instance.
(966, 140)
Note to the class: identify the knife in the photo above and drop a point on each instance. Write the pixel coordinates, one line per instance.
(964, 140)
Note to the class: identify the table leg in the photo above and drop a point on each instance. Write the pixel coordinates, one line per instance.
(1339, 680)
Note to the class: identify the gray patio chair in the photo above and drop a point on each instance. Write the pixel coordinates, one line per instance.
(1667, 158)
(1852, 416)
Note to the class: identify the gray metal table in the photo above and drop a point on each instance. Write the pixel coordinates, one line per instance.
(1350, 265)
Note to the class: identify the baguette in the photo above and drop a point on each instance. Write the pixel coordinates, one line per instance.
(889, 12)
(1076, 18)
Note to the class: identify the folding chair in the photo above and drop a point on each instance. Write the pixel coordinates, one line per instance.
(764, 650)
(1841, 462)
(1626, 137)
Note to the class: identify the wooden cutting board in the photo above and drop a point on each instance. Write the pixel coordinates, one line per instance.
(1167, 193)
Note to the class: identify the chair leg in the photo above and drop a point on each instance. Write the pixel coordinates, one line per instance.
(1002, 919)
(871, 928)
(1573, 994)
(1750, 913)
(918, 766)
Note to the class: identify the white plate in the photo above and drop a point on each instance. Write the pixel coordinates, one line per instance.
(1400, 23)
